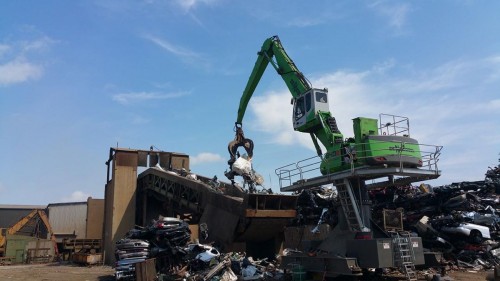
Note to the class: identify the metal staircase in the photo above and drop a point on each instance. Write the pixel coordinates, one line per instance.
(403, 254)
(349, 206)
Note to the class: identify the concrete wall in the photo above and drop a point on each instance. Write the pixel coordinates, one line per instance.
(120, 190)
(95, 218)
(68, 218)
(120, 200)
(179, 161)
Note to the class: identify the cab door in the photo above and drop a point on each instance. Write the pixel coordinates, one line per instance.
(303, 110)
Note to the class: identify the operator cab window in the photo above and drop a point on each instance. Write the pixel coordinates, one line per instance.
(308, 102)
(321, 97)
(299, 108)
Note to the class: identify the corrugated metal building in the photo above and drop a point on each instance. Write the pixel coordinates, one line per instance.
(11, 214)
(77, 220)
(77, 226)
(68, 220)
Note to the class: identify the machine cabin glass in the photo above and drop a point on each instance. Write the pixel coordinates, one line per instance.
(321, 100)
(307, 105)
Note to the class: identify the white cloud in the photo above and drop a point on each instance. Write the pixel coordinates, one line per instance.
(494, 59)
(442, 77)
(494, 73)
(18, 71)
(383, 67)
(326, 14)
(139, 120)
(38, 45)
(176, 50)
(188, 5)
(4, 48)
(450, 105)
(368, 93)
(494, 104)
(128, 98)
(274, 113)
(186, 55)
(205, 157)
(305, 22)
(274, 116)
(16, 66)
(396, 13)
(77, 196)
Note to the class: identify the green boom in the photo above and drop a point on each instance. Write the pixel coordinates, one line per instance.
(312, 115)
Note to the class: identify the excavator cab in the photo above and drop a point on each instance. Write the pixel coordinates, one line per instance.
(307, 105)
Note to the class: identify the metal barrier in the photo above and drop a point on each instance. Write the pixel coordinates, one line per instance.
(393, 125)
(307, 168)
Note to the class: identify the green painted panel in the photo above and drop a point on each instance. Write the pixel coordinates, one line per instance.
(16, 247)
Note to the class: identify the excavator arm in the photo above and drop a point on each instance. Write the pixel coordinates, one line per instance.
(311, 114)
(24, 221)
(16, 227)
(311, 110)
(282, 63)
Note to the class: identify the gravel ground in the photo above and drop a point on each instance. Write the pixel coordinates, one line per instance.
(55, 272)
(58, 272)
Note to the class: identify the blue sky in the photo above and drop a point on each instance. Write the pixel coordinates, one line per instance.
(79, 77)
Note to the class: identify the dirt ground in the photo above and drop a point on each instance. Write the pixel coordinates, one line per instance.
(58, 272)
(55, 272)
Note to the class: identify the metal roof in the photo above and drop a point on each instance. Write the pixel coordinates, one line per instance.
(10, 216)
(25, 207)
(66, 204)
(148, 151)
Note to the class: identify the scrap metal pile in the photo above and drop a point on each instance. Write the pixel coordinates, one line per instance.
(460, 220)
(167, 241)
(163, 239)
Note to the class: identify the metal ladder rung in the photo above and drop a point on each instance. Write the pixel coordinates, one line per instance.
(349, 206)
(403, 254)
